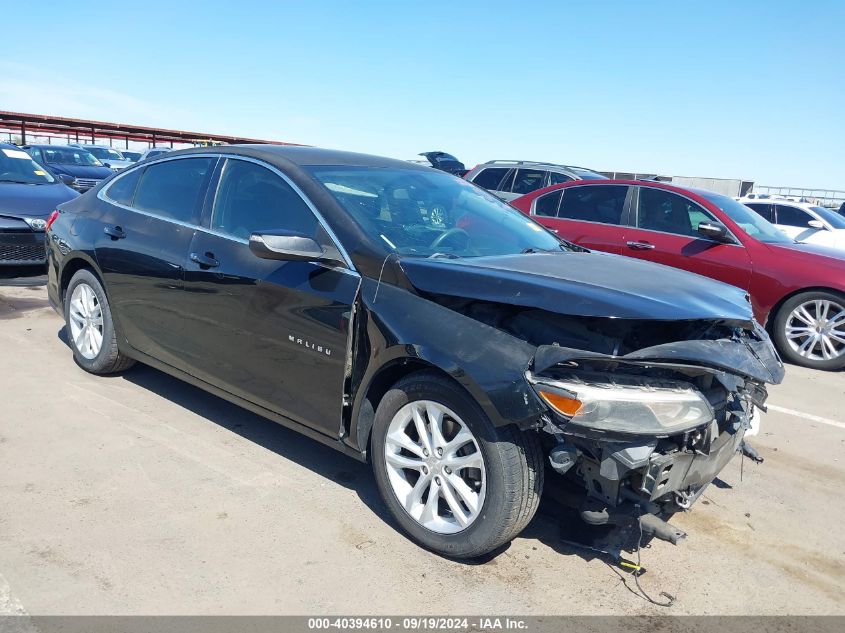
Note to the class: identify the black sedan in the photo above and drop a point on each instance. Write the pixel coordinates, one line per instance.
(462, 354)
(28, 195)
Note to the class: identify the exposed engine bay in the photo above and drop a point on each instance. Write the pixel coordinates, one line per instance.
(642, 414)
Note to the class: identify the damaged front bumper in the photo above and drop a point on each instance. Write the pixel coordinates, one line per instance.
(644, 434)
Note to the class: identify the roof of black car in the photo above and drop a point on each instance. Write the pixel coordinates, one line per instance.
(305, 155)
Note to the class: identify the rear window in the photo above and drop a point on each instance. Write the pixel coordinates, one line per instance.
(490, 177)
(122, 190)
(547, 205)
(172, 188)
(603, 203)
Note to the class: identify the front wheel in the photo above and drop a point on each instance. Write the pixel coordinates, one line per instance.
(89, 326)
(456, 484)
(809, 330)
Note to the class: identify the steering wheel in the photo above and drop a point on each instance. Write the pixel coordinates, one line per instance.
(447, 235)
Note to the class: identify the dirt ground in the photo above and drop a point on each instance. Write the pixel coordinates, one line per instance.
(140, 494)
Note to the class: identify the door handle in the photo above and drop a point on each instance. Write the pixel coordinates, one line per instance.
(114, 232)
(640, 246)
(205, 261)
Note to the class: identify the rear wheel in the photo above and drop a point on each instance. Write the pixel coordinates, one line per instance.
(89, 326)
(455, 483)
(809, 330)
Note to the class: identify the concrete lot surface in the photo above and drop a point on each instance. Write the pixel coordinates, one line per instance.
(140, 494)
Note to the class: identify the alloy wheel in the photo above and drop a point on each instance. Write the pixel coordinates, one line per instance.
(435, 467)
(816, 329)
(86, 321)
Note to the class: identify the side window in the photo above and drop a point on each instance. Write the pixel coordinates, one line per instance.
(173, 189)
(528, 180)
(764, 210)
(599, 203)
(665, 211)
(548, 204)
(490, 177)
(556, 178)
(792, 216)
(251, 199)
(122, 190)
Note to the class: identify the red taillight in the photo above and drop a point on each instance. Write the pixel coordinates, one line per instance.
(53, 217)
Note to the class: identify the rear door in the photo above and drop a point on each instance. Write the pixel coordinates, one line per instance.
(593, 216)
(273, 332)
(148, 225)
(664, 230)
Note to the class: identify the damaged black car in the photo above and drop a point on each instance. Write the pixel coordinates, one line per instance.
(465, 354)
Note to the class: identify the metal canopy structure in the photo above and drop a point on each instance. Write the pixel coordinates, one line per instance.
(76, 130)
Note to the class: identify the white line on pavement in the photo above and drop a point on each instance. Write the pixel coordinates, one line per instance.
(806, 416)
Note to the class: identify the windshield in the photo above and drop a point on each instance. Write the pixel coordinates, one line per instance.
(17, 166)
(104, 153)
(432, 214)
(586, 174)
(830, 216)
(749, 221)
(69, 156)
(133, 156)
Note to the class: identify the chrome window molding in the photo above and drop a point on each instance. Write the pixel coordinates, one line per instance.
(102, 194)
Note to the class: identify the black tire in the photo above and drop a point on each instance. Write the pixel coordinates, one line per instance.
(513, 462)
(782, 342)
(109, 360)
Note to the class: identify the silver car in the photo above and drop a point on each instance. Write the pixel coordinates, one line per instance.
(509, 179)
(109, 156)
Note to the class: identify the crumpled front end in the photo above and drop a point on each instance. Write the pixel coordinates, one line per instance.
(644, 433)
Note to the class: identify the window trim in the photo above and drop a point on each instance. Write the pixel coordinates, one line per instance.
(102, 194)
(152, 214)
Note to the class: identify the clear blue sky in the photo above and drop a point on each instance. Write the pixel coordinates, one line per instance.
(751, 90)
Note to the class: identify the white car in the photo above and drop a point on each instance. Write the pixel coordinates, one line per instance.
(805, 223)
(109, 156)
(155, 151)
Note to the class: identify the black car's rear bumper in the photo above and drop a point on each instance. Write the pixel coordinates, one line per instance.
(22, 248)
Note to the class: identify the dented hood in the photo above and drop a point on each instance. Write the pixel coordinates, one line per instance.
(582, 284)
(744, 356)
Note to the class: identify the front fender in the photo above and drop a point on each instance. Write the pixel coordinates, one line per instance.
(399, 326)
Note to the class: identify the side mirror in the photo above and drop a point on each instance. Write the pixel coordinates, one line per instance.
(715, 231)
(285, 247)
(817, 224)
(66, 179)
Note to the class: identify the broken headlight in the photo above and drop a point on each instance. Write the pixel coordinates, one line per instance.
(627, 405)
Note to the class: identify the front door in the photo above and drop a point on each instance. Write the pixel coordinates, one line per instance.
(664, 230)
(148, 226)
(275, 333)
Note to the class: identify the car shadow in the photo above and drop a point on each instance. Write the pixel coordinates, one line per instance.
(555, 525)
(23, 276)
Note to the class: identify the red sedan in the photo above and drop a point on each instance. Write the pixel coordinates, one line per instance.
(797, 290)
